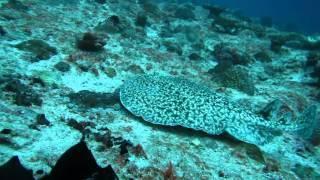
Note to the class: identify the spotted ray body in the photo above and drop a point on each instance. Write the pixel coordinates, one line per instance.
(175, 101)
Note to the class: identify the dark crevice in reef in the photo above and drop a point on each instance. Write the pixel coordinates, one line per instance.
(76, 163)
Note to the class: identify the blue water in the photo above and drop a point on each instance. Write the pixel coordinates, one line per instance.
(299, 15)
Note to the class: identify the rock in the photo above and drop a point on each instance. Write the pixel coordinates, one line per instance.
(24, 96)
(194, 56)
(149, 66)
(151, 8)
(258, 30)
(313, 64)
(263, 56)
(198, 45)
(173, 47)
(111, 72)
(48, 77)
(61, 2)
(293, 40)
(85, 67)
(79, 163)
(91, 99)
(165, 32)
(226, 25)
(40, 49)
(316, 71)
(95, 71)
(313, 59)
(27, 98)
(315, 138)
(185, 13)
(14, 85)
(221, 174)
(141, 20)
(138, 151)
(7, 141)
(100, 1)
(227, 57)
(192, 33)
(312, 46)
(136, 69)
(254, 152)
(5, 131)
(236, 77)
(114, 20)
(14, 170)
(196, 142)
(305, 172)
(276, 43)
(37, 80)
(40, 172)
(123, 147)
(214, 11)
(17, 5)
(62, 66)
(2, 31)
(113, 24)
(301, 42)
(271, 165)
(80, 126)
(42, 120)
(90, 42)
(105, 138)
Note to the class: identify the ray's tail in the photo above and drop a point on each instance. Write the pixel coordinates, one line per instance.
(255, 129)
(303, 124)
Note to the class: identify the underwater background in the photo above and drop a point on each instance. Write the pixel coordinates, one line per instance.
(301, 15)
(290, 15)
(141, 89)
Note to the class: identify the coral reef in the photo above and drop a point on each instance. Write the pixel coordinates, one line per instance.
(40, 49)
(64, 63)
(236, 77)
(90, 42)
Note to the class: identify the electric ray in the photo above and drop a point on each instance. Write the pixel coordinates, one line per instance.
(175, 101)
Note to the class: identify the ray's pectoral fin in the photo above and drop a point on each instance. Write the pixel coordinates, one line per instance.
(253, 134)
